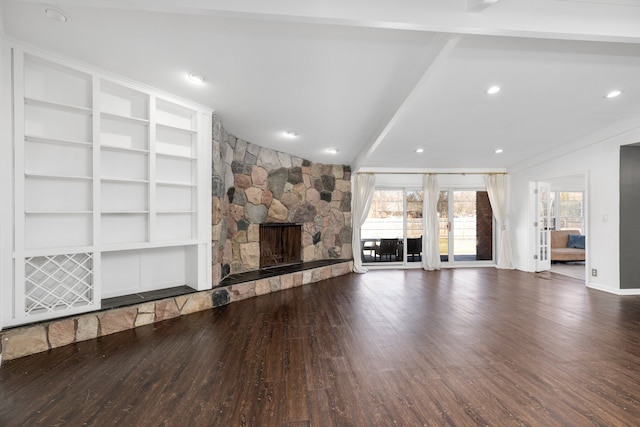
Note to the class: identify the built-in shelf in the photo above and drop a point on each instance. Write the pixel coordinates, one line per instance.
(175, 212)
(175, 184)
(109, 181)
(123, 149)
(58, 106)
(58, 212)
(125, 180)
(112, 247)
(53, 251)
(123, 212)
(40, 139)
(56, 176)
(127, 119)
(175, 156)
(176, 129)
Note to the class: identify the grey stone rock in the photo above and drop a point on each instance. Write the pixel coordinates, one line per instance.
(220, 297)
(250, 159)
(253, 149)
(243, 225)
(306, 162)
(276, 180)
(319, 222)
(345, 203)
(296, 162)
(216, 132)
(328, 182)
(240, 150)
(226, 270)
(223, 232)
(222, 146)
(239, 198)
(217, 186)
(231, 193)
(304, 213)
(346, 234)
(232, 141)
(285, 159)
(317, 237)
(228, 155)
(268, 159)
(255, 214)
(334, 252)
(237, 167)
(326, 196)
(295, 175)
(228, 177)
(317, 184)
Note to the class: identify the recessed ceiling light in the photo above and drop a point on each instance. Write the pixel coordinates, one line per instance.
(196, 78)
(291, 134)
(419, 150)
(498, 150)
(493, 90)
(613, 94)
(332, 151)
(56, 14)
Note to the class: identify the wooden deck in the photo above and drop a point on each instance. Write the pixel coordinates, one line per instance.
(456, 347)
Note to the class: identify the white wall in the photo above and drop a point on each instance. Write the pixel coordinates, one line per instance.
(600, 163)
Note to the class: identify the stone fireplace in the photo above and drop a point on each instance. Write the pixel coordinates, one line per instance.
(280, 244)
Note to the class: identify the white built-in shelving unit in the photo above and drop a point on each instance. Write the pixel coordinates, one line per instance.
(111, 189)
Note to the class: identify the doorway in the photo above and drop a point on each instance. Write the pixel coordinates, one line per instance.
(568, 211)
(465, 227)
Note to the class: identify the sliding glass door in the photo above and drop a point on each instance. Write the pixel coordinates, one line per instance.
(392, 232)
(466, 226)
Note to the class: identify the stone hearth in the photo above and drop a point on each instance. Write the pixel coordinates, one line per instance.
(30, 339)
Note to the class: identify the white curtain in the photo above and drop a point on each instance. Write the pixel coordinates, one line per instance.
(430, 249)
(497, 189)
(363, 188)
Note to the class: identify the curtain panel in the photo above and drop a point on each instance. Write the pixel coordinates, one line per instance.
(497, 187)
(363, 188)
(430, 250)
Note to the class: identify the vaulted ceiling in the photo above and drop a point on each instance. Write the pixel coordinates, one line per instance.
(373, 79)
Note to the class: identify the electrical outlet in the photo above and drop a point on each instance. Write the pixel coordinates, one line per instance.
(594, 272)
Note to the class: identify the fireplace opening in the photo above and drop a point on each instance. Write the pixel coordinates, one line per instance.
(280, 244)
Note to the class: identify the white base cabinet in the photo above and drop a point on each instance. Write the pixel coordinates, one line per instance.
(110, 189)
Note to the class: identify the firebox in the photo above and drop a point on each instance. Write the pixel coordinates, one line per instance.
(280, 244)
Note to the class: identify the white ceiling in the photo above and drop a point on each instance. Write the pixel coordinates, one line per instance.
(374, 79)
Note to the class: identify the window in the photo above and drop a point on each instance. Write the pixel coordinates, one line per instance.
(567, 210)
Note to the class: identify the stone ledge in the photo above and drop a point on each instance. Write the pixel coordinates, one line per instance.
(31, 339)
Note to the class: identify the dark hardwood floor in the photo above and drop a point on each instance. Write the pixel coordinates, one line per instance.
(408, 348)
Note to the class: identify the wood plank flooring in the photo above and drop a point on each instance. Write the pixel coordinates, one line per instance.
(460, 347)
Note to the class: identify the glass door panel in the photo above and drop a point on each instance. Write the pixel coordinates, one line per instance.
(414, 227)
(466, 226)
(443, 225)
(382, 232)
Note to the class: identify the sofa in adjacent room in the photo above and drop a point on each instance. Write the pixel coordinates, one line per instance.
(567, 245)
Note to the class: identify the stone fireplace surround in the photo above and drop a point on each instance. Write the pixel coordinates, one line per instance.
(252, 185)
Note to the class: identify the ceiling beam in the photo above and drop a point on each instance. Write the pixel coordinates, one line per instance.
(439, 51)
(586, 20)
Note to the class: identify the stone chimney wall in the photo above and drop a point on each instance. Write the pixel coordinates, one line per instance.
(252, 185)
